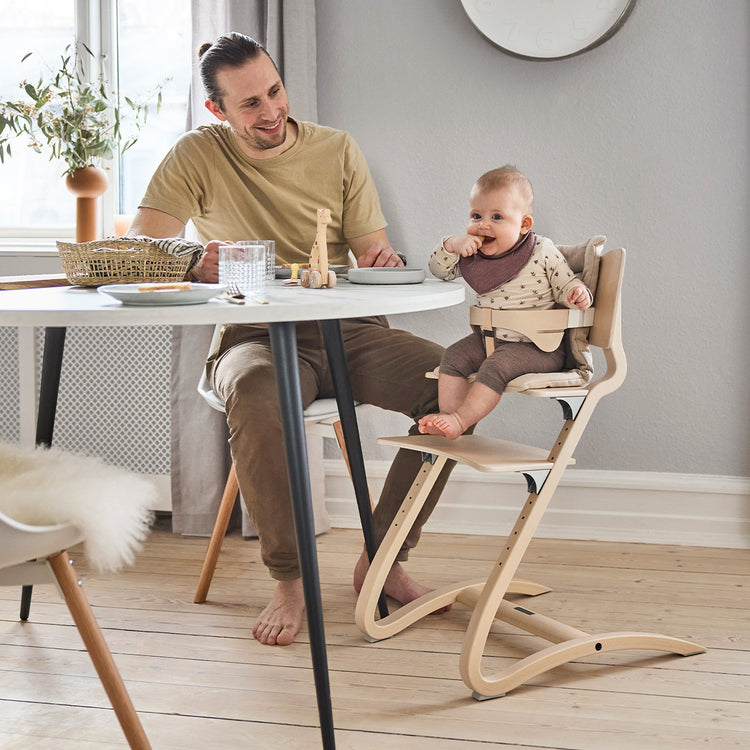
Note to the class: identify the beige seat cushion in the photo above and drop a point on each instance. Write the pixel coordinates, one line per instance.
(583, 260)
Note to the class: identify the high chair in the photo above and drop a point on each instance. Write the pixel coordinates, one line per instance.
(543, 470)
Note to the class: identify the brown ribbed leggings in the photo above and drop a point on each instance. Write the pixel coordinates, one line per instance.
(510, 359)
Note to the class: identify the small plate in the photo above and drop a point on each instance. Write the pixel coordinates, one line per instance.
(283, 272)
(401, 275)
(129, 294)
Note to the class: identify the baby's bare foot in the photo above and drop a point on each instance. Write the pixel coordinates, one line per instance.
(281, 620)
(427, 425)
(448, 425)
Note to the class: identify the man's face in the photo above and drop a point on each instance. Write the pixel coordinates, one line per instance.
(254, 104)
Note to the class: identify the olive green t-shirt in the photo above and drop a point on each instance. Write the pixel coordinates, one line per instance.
(229, 196)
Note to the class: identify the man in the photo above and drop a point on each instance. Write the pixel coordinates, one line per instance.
(260, 173)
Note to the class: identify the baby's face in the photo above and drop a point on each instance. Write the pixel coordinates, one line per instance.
(500, 217)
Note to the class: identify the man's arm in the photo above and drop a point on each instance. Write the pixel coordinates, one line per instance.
(373, 249)
(149, 222)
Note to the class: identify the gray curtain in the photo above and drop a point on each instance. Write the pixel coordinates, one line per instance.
(200, 455)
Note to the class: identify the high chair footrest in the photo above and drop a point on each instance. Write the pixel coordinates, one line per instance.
(482, 453)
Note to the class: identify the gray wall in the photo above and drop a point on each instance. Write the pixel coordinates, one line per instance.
(644, 139)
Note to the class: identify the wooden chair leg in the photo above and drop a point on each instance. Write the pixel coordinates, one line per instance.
(217, 536)
(338, 429)
(101, 656)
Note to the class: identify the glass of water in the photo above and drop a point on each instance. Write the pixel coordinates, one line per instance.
(243, 263)
(270, 246)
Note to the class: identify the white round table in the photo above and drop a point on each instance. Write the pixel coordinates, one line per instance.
(56, 308)
(69, 306)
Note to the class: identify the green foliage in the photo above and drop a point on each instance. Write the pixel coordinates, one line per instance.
(77, 120)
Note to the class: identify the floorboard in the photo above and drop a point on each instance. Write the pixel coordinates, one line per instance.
(198, 679)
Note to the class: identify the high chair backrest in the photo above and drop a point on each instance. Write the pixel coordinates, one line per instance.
(606, 329)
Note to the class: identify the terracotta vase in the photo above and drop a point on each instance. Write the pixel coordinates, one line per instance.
(87, 184)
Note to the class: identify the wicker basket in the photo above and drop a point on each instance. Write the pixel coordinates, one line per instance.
(119, 262)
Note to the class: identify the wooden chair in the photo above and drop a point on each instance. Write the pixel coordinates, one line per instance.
(37, 554)
(321, 419)
(543, 469)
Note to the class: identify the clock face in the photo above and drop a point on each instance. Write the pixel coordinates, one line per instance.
(547, 29)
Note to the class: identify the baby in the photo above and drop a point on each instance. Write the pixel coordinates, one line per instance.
(509, 268)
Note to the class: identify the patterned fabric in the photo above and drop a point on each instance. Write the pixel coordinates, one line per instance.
(172, 245)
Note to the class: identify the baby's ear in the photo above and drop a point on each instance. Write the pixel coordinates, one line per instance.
(527, 222)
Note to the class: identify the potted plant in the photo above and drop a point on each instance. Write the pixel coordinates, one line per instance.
(79, 121)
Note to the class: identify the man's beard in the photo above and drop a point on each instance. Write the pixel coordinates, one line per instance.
(259, 143)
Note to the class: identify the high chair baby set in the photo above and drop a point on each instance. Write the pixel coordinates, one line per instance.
(574, 389)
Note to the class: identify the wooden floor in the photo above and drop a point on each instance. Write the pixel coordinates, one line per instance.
(199, 680)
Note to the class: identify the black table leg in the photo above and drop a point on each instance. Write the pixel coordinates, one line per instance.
(334, 343)
(54, 345)
(284, 347)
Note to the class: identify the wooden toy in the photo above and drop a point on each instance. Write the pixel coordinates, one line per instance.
(319, 274)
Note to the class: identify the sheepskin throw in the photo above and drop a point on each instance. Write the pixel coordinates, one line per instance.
(46, 486)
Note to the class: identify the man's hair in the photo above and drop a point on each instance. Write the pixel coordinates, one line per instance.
(507, 176)
(231, 50)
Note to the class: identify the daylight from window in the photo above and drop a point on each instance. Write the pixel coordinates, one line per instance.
(33, 199)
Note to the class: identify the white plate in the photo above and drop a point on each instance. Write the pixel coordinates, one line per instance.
(129, 294)
(386, 275)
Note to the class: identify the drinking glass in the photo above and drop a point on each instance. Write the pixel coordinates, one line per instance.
(243, 263)
(270, 246)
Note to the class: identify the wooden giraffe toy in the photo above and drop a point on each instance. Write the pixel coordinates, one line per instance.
(319, 274)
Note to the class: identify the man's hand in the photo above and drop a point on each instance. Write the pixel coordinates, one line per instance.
(379, 255)
(207, 268)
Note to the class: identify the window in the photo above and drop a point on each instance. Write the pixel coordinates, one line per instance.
(32, 194)
(34, 202)
(148, 56)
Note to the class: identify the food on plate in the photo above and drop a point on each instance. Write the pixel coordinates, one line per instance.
(171, 286)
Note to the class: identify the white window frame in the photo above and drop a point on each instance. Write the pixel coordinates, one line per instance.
(96, 26)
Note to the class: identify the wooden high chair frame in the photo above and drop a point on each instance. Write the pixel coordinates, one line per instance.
(543, 470)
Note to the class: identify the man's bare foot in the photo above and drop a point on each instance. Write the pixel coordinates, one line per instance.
(281, 620)
(399, 585)
(448, 425)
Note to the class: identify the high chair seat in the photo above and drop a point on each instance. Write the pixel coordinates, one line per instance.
(543, 469)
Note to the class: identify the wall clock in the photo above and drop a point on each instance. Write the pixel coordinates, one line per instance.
(547, 29)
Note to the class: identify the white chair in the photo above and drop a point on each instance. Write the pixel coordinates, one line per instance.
(321, 418)
(32, 554)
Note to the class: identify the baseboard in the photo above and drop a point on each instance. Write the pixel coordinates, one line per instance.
(647, 507)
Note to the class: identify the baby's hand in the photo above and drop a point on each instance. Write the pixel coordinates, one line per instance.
(579, 297)
(465, 245)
